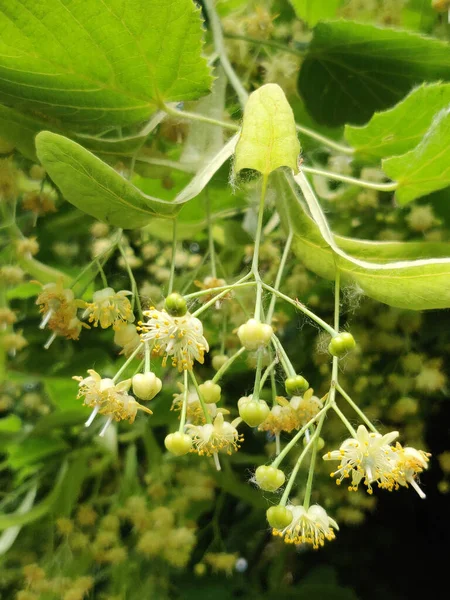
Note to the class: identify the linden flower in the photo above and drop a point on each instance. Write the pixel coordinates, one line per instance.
(179, 337)
(410, 462)
(308, 526)
(293, 414)
(306, 407)
(59, 309)
(107, 398)
(128, 338)
(109, 308)
(369, 456)
(210, 438)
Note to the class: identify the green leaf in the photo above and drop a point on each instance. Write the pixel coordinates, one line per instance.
(400, 128)
(20, 130)
(10, 424)
(426, 168)
(100, 63)
(389, 272)
(352, 69)
(24, 291)
(34, 449)
(9, 536)
(97, 189)
(268, 138)
(39, 510)
(313, 11)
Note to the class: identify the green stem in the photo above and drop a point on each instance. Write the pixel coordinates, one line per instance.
(324, 140)
(224, 368)
(295, 470)
(267, 372)
(174, 252)
(184, 114)
(102, 274)
(256, 386)
(96, 260)
(213, 300)
(303, 309)
(185, 403)
(134, 288)
(219, 47)
(200, 398)
(382, 187)
(221, 288)
(297, 437)
(255, 261)
(269, 43)
(356, 408)
(147, 358)
(212, 253)
(279, 276)
(126, 363)
(344, 420)
(284, 358)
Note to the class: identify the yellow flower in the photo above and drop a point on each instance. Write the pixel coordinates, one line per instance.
(59, 309)
(211, 438)
(109, 308)
(410, 462)
(179, 337)
(308, 526)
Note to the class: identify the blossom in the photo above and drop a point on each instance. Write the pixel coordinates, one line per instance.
(179, 337)
(128, 338)
(210, 438)
(293, 414)
(107, 398)
(109, 308)
(368, 457)
(410, 462)
(59, 309)
(194, 409)
(308, 526)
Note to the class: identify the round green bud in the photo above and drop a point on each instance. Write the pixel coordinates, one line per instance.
(279, 517)
(254, 334)
(269, 478)
(253, 412)
(210, 392)
(341, 344)
(218, 361)
(146, 385)
(175, 305)
(295, 386)
(178, 443)
(320, 443)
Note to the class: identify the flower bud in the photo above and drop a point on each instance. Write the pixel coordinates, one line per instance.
(269, 478)
(218, 361)
(341, 344)
(146, 385)
(296, 385)
(253, 412)
(175, 305)
(254, 334)
(210, 392)
(279, 517)
(178, 443)
(320, 443)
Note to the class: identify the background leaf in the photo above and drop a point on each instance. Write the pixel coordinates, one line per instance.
(313, 11)
(400, 128)
(146, 52)
(426, 168)
(413, 281)
(352, 69)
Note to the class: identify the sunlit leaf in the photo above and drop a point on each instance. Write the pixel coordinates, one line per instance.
(426, 168)
(402, 127)
(100, 63)
(313, 11)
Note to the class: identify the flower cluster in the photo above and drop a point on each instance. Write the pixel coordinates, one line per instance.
(109, 308)
(59, 309)
(308, 526)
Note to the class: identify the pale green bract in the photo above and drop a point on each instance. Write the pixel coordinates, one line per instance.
(97, 189)
(313, 11)
(427, 167)
(389, 272)
(100, 63)
(268, 138)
